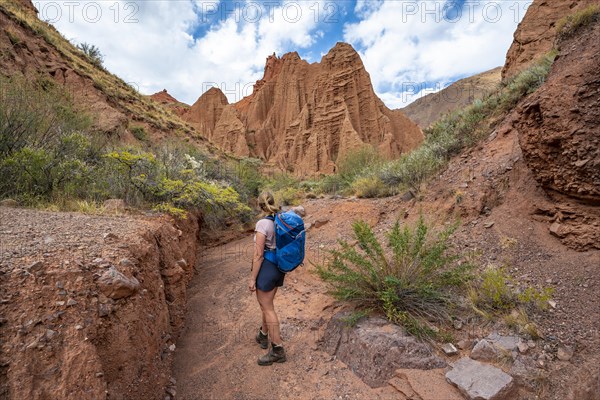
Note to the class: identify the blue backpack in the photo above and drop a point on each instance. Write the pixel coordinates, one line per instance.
(290, 238)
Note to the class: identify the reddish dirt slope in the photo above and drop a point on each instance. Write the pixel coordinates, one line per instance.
(558, 125)
(63, 336)
(34, 49)
(536, 34)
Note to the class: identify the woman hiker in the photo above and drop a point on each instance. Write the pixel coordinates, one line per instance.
(265, 279)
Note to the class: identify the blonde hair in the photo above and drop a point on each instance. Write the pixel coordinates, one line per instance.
(266, 202)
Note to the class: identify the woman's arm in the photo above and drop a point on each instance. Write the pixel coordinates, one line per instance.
(257, 259)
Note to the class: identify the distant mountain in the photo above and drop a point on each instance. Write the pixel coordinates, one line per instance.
(428, 109)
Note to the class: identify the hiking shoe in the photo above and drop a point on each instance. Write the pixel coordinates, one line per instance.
(262, 339)
(275, 355)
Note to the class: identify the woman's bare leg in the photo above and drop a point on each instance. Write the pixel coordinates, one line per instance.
(265, 327)
(265, 299)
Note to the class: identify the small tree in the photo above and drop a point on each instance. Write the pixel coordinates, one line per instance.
(92, 52)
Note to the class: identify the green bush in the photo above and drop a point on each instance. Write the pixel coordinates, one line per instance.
(139, 132)
(497, 292)
(571, 23)
(63, 170)
(413, 282)
(35, 114)
(370, 187)
(332, 184)
(249, 178)
(281, 181)
(412, 169)
(355, 162)
(176, 189)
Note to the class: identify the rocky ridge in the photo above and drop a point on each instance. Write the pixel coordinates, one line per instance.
(165, 99)
(428, 109)
(36, 50)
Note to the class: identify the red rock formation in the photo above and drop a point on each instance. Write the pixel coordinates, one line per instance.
(206, 112)
(558, 125)
(536, 34)
(303, 117)
(164, 98)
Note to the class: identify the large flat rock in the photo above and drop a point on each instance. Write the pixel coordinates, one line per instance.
(479, 381)
(375, 348)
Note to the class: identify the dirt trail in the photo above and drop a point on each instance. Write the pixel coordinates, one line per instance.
(216, 354)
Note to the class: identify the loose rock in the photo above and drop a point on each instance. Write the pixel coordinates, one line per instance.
(36, 266)
(110, 236)
(320, 222)
(484, 351)
(377, 339)
(449, 349)
(299, 210)
(116, 285)
(506, 343)
(564, 353)
(478, 381)
(465, 344)
(523, 347)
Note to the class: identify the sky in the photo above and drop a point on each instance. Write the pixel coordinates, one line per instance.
(410, 48)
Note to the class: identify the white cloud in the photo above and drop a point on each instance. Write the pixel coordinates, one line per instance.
(406, 43)
(155, 48)
(170, 44)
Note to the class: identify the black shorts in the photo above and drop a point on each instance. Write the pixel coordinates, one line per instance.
(269, 277)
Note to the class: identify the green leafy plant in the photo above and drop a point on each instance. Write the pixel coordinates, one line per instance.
(35, 114)
(413, 282)
(332, 184)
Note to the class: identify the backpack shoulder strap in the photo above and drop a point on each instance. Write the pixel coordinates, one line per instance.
(270, 217)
